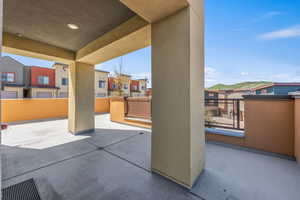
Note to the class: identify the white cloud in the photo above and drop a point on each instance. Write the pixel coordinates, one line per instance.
(210, 72)
(211, 76)
(290, 32)
(266, 16)
(244, 73)
(271, 14)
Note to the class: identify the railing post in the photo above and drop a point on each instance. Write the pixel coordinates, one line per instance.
(233, 112)
(238, 113)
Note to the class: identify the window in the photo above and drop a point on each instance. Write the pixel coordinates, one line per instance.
(125, 86)
(8, 77)
(101, 84)
(43, 80)
(101, 95)
(264, 91)
(64, 81)
(135, 88)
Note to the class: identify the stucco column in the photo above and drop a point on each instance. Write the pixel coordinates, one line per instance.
(297, 128)
(81, 98)
(178, 138)
(1, 31)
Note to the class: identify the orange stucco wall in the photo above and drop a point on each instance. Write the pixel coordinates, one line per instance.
(14, 110)
(297, 129)
(102, 105)
(117, 113)
(269, 126)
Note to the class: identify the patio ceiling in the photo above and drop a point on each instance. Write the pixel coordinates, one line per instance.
(106, 28)
(47, 21)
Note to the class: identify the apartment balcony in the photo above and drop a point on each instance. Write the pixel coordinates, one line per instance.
(114, 163)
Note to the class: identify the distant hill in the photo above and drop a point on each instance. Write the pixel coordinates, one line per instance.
(243, 85)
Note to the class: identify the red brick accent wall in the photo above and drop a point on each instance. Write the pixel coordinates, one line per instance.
(134, 83)
(40, 71)
(111, 81)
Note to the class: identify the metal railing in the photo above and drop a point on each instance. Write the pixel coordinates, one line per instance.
(138, 107)
(224, 113)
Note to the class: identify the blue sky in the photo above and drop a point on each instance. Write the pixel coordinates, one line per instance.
(245, 40)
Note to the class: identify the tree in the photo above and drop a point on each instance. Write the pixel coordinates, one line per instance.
(119, 78)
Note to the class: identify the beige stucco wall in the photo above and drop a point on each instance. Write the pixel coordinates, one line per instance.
(126, 80)
(19, 91)
(61, 71)
(178, 106)
(142, 83)
(34, 91)
(104, 77)
(81, 98)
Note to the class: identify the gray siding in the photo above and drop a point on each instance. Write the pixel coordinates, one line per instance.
(8, 64)
(27, 76)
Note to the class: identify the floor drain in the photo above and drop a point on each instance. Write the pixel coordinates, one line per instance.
(26, 190)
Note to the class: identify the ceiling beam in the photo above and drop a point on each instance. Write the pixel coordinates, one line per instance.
(132, 35)
(26, 47)
(155, 10)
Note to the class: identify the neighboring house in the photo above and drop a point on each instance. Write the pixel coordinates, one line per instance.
(210, 97)
(12, 76)
(227, 101)
(138, 87)
(61, 80)
(40, 82)
(211, 94)
(237, 93)
(135, 88)
(277, 89)
(101, 83)
(143, 86)
(149, 92)
(113, 87)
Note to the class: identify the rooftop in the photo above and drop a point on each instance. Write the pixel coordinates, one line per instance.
(114, 163)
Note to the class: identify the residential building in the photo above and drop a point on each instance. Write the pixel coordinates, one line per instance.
(138, 87)
(40, 82)
(12, 76)
(113, 85)
(210, 97)
(101, 83)
(134, 88)
(149, 92)
(277, 89)
(211, 94)
(143, 86)
(61, 80)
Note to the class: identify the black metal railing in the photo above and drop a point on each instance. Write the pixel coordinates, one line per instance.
(224, 113)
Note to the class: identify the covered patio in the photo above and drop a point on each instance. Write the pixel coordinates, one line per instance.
(88, 157)
(83, 34)
(114, 163)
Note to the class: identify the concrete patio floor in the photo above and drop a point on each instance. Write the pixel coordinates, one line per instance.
(114, 163)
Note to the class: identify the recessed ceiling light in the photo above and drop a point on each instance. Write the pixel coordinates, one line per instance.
(73, 26)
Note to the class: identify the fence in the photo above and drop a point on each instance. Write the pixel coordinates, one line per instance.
(14, 110)
(224, 113)
(138, 107)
